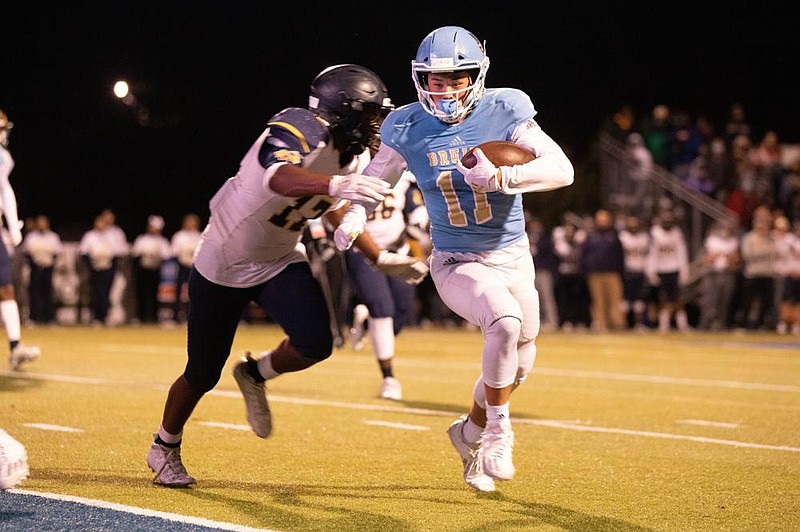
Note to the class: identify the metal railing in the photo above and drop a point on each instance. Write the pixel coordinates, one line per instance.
(696, 211)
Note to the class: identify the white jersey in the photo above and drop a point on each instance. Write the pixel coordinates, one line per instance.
(636, 246)
(387, 223)
(184, 243)
(721, 250)
(151, 250)
(254, 233)
(42, 247)
(668, 252)
(8, 200)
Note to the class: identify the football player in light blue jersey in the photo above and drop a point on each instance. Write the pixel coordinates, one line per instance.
(481, 262)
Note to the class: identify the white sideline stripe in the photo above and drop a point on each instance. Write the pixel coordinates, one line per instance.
(539, 422)
(220, 425)
(46, 426)
(704, 423)
(667, 380)
(141, 511)
(389, 424)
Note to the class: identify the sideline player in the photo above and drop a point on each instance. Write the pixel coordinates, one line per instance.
(481, 262)
(9, 310)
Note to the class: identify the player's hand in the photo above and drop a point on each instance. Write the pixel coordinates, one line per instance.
(352, 225)
(356, 187)
(484, 176)
(409, 269)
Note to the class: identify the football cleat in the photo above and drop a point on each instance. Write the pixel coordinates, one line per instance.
(21, 354)
(13, 461)
(166, 463)
(359, 328)
(391, 389)
(470, 454)
(497, 443)
(255, 399)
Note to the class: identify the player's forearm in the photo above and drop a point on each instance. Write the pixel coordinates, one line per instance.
(293, 181)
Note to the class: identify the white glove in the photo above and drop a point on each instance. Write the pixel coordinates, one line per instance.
(15, 233)
(357, 187)
(409, 269)
(350, 227)
(484, 176)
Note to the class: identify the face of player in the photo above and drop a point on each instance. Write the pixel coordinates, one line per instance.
(450, 88)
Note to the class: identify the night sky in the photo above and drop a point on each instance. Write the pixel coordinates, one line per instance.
(208, 76)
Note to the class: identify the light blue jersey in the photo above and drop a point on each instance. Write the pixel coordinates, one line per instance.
(462, 220)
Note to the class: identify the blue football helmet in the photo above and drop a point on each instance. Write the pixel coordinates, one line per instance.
(450, 49)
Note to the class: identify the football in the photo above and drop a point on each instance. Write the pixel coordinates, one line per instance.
(500, 152)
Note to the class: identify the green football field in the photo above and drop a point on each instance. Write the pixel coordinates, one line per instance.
(613, 432)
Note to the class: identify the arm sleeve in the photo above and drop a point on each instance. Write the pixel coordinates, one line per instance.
(550, 170)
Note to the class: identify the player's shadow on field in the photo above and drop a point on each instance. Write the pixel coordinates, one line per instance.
(287, 505)
(17, 381)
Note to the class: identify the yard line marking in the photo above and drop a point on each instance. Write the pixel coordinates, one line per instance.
(389, 424)
(539, 422)
(667, 380)
(220, 425)
(47, 426)
(704, 423)
(58, 378)
(662, 435)
(199, 521)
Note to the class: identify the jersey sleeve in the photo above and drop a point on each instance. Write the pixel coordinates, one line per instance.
(293, 134)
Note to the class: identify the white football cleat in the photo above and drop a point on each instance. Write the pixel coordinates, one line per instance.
(166, 463)
(470, 454)
(391, 389)
(255, 399)
(497, 444)
(13, 461)
(21, 354)
(358, 330)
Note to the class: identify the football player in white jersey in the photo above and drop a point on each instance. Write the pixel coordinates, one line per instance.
(481, 262)
(305, 163)
(389, 300)
(9, 311)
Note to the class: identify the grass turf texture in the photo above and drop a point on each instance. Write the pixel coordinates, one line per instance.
(612, 433)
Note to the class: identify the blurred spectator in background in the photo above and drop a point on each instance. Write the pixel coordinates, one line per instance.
(721, 169)
(656, 135)
(622, 123)
(572, 293)
(787, 276)
(150, 250)
(639, 173)
(184, 242)
(767, 161)
(602, 261)
(684, 144)
(758, 257)
(736, 125)
(545, 260)
(41, 247)
(721, 255)
(635, 246)
(98, 249)
(668, 269)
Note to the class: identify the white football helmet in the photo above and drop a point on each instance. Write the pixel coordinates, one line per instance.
(450, 49)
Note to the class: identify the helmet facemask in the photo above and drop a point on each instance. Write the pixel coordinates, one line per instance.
(451, 110)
